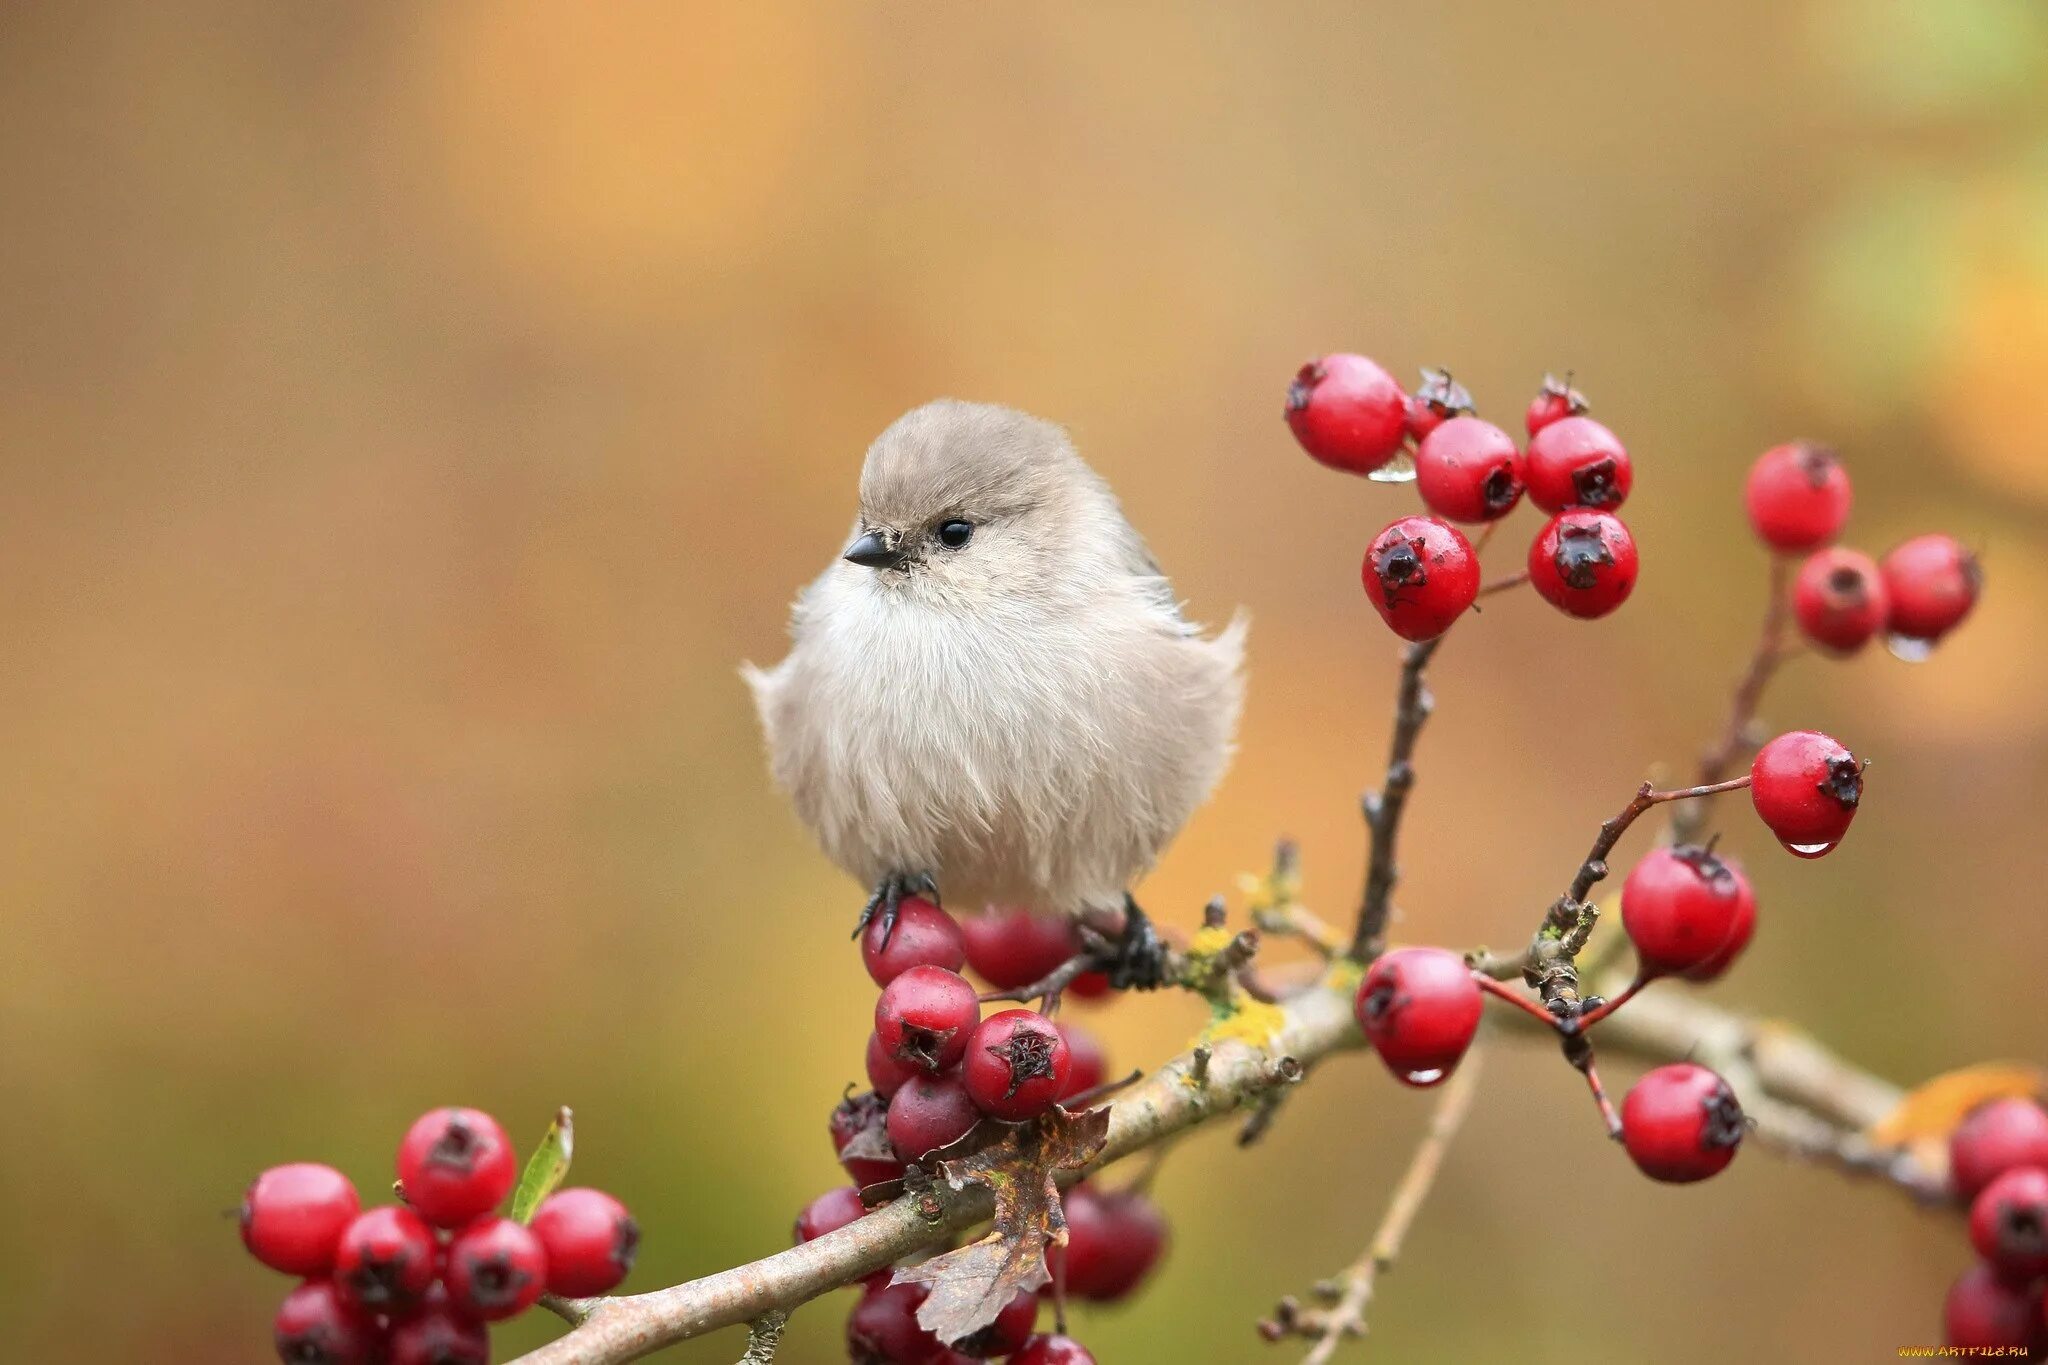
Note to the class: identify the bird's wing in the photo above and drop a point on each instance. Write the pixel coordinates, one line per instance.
(1135, 558)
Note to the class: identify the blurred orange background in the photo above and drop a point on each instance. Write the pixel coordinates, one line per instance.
(411, 417)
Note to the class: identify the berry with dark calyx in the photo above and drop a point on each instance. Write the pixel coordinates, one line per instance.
(1419, 1008)
(1010, 949)
(886, 1073)
(829, 1212)
(436, 1334)
(1017, 1065)
(1584, 563)
(1438, 400)
(1797, 496)
(1984, 1312)
(930, 1112)
(924, 936)
(1114, 1239)
(317, 1325)
(1469, 470)
(1006, 1335)
(1931, 583)
(496, 1269)
(455, 1165)
(1088, 1064)
(1681, 906)
(1681, 1123)
(386, 1259)
(2009, 1223)
(924, 1017)
(1347, 412)
(1840, 599)
(1994, 1138)
(1053, 1349)
(1806, 787)
(1576, 462)
(860, 1135)
(589, 1240)
(293, 1216)
(882, 1328)
(1554, 402)
(1420, 574)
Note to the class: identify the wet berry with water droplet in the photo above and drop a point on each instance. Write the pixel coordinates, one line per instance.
(1681, 907)
(293, 1216)
(1681, 1123)
(496, 1269)
(455, 1165)
(1797, 496)
(1469, 470)
(1576, 462)
(1017, 1065)
(1993, 1138)
(590, 1241)
(1420, 574)
(1419, 1008)
(1840, 599)
(924, 1016)
(1932, 582)
(1806, 786)
(1347, 412)
(1584, 563)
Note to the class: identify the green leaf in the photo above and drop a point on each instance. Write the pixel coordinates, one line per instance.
(546, 1168)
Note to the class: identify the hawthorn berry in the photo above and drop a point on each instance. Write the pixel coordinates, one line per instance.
(1806, 787)
(1088, 1064)
(1420, 574)
(1017, 1065)
(589, 1240)
(1438, 400)
(1576, 462)
(1738, 938)
(829, 1212)
(1681, 907)
(1114, 1239)
(1469, 470)
(1985, 1312)
(1681, 1123)
(882, 1329)
(1053, 1349)
(924, 1017)
(1014, 948)
(437, 1335)
(1994, 1138)
(293, 1216)
(928, 1113)
(1932, 583)
(1554, 402)
(1006, 1335)
(860, 1137)
(455, 1165)
(2009, 1223)
(1797, 496)
(924, 936)
(386, 1259)
(317, 1325)
(1419, 1008)
(886, 1073)
(1584, 563)
(1347, 412)
(1840, 599)
(496, 1269)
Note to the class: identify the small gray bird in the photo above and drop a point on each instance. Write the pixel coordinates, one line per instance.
(993, 697)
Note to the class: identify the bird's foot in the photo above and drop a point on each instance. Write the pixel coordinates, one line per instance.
(887, 902)
(1140, 963)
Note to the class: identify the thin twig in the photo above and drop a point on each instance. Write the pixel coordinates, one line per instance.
(1770, 652)
(1504, 583)
(1412, 705)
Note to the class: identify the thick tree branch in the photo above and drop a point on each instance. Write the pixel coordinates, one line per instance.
(1412, 706)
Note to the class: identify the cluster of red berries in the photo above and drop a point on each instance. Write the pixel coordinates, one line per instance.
(415, 1283)
(1798, 497)
(1421, 573)
(938, 1069)
(1998, 1160)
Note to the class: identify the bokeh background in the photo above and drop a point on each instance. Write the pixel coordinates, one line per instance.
(411, 416)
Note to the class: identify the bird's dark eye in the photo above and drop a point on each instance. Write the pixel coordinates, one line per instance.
(954, 534)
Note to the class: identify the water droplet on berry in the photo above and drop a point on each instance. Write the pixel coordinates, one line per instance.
(1429, 1077)
(1400, 469)
(1908, 649)
(1811, 850)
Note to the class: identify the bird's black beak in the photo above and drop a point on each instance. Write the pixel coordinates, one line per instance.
(873, 551)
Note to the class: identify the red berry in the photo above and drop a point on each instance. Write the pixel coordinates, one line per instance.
(2009, 1223)
(1806, 787)
(386, 1259)
(1840, 599)
(885, 1073)
(1017, 1065)
(1576, 462)
(438, 1335)
(292, 1216)
(1053, 1350)
(455, 1165)
(1681, 906)
(1419, 1008)
(882, 1328)
(589, 1240)
(1421, 574)
(1088, 1064)
(860, 1135)
(1932, 582)
(1681, 1123)
(924, 1017)
(1090, 986)
(1013, 948)
(317, 1325)
(1985, 1312)
(1994, 1138)
(1798, 496)
(1114, 1238)
(1439, 399)
(924, 936)
(928, 1113)
(496, 1269)
(1469, 470)
(1554, 402)
(1006, 1335)
(829, 1212)
(1347, 412)
(1738, 937)
(1584, 563)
